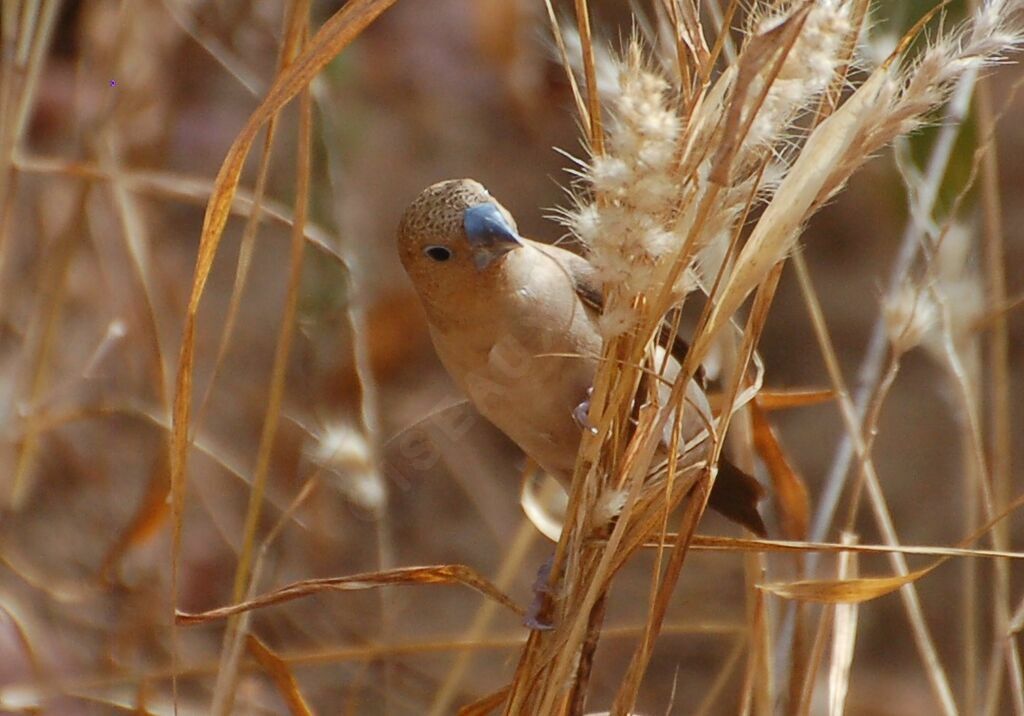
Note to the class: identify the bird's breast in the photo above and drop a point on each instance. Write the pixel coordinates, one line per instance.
(525, 354)
(531, 396)
(528, 387)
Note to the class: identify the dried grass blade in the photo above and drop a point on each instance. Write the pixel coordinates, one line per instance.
(151, 511)
(789, 488)
(246, 581)
(991, 317)
(43, 338)
(294, 27)
(777, 229)
(1016, 625)
(712, 699)
(280, 674)
(738, 544)
(563, 54)
(487, 704)
(845, 591)
(221, 53)
(137, 244)
(19, 84)
(694, 505)
(33, 42)
(177, 186)
(723, 39)
(1000, 420)
(755, 692)
(596, 133)
(870, 369)
(804, 680)
(22, 641)
(573, 623)
(771, 46)
(282, 352)
(696, 502)
(344, 26)
(911, 601)
(844, 636)
(511, 565)
(771, 400)
(147, 518)
(692, 52)
(438, 574)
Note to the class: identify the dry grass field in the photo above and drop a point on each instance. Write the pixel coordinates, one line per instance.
(235, 477)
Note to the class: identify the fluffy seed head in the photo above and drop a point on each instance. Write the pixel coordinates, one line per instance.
(909, 315)
(344, 453)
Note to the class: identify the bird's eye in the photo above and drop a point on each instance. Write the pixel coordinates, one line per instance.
(438, 253)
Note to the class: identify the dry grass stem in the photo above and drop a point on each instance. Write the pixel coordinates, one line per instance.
(228, 530)
(666, 184)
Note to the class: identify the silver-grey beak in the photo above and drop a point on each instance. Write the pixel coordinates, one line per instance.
(489, 234)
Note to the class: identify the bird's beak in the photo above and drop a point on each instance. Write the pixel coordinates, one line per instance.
(489, 233)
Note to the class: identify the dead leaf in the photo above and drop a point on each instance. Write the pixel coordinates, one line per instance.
(844, 591)
(790, 491)
(769, 400)
(436, 574)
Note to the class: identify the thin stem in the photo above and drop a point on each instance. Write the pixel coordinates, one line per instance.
(922, 638)
(874, 358)
(998, 372)
(244, 580)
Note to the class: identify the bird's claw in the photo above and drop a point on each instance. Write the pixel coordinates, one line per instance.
(533, 622)
(581, 414)
(535, 617)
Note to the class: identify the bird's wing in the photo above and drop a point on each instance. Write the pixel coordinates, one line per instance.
(588, 289)
(735, 494)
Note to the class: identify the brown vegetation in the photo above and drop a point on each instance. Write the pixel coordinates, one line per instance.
(236, 479)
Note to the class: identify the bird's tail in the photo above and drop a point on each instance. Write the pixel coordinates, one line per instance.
(735, 495)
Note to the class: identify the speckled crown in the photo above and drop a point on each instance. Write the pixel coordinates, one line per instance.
(438, 210)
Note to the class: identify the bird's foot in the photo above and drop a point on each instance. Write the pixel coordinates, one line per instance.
(581, 414)
(538, 614)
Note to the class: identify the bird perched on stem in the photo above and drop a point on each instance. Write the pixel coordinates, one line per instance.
(515, 322)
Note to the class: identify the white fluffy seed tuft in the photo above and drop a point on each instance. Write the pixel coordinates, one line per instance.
(909, 315)
(344, 453)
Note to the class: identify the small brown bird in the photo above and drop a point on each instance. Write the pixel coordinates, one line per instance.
(515, 322)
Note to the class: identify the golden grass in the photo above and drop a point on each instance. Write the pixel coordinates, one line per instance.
(749, 165)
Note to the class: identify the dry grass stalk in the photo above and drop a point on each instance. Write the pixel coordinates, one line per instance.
(25, 40)
(997, 369)
(954, 294)
(189, 189)
(367, 487)
(442, 574)
(922, 636)
(296, 34)
(874, 385)
(706, 158)
(667, 186)
(335, 34)
(281, 675)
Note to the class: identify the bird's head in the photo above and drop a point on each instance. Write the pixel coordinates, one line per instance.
(454, 234)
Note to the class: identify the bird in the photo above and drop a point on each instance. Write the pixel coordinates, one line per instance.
(515, 322)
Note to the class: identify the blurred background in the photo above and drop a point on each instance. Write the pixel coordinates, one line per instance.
(117, 115)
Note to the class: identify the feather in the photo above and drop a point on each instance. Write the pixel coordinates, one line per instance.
(515, 322)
